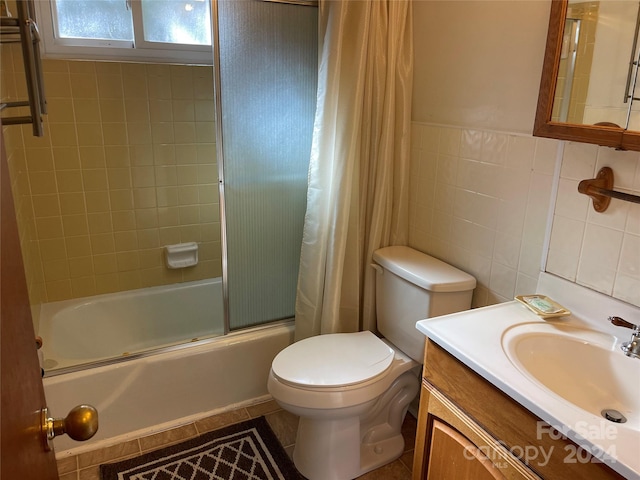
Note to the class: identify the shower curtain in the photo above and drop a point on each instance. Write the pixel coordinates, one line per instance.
(357, 198)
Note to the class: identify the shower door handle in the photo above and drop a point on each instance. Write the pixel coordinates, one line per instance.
(80, 424)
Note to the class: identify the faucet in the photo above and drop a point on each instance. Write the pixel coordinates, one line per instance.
(631, 348)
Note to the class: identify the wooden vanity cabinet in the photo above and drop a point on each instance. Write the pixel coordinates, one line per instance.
(453, 455)
(467, 427)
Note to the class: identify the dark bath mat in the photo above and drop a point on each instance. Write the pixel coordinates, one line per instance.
(244, 451)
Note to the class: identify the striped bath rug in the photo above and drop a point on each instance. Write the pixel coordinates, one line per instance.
(244, 451)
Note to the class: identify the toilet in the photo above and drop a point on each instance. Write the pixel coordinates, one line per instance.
(352, 390)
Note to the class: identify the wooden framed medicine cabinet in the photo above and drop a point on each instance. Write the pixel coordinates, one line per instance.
(573, 71)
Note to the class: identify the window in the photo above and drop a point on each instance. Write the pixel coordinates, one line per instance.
(156, 30)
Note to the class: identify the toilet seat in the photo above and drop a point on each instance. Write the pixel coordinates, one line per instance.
(333, 360)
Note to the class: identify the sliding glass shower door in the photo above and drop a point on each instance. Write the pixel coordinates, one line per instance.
(266, 102)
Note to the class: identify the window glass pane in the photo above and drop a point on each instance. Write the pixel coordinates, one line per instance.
(98, 19)
(177, 21)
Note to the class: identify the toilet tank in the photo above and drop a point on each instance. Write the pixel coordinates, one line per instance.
(412, 286)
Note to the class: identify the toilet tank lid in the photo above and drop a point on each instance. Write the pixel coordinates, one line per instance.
(423, 270)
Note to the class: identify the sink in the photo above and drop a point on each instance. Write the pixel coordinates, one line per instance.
(566, 371)
(582, 366)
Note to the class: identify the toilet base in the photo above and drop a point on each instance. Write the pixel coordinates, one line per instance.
(347, 447)
(378, 454)
(325, 450)
(337, 460)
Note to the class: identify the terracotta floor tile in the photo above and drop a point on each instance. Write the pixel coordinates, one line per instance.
(392, 471)
(263, 408)
(168, 437)
(284, 425)
(222, 420)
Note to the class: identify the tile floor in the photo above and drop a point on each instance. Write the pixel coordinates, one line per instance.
(85, 466)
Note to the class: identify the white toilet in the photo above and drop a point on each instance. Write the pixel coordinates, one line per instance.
(352, 390)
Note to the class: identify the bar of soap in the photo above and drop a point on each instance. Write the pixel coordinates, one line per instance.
(542, 305)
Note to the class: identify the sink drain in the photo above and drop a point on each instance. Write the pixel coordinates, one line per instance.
(613, 415)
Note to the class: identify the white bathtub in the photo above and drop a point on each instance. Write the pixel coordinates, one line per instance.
(144, 395)
(113, 325)
(139, 393)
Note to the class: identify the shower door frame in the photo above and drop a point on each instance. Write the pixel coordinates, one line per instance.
(217, 82)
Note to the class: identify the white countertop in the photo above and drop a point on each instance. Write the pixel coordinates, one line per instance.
(475, 338)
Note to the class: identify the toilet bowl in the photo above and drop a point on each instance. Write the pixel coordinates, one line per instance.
(352, 390)
(342, 386)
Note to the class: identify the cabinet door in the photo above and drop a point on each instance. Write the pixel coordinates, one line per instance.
(453, 456)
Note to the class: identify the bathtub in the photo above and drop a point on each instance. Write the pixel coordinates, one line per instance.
(93, 329)
(152, 393)
(151, 359)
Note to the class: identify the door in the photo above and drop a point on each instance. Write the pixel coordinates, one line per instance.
(267, 86)
(453, 456)
(22, 452)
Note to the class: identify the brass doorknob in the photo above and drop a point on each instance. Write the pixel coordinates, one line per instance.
(80, 424)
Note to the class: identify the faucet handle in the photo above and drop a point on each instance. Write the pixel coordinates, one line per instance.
(631, 348)
(621, 322)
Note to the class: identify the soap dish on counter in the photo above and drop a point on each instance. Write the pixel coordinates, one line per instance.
(543, 306)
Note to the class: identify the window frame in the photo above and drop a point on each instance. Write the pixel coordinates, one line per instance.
(138, 50)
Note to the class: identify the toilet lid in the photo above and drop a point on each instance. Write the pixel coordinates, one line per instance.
(333, 360)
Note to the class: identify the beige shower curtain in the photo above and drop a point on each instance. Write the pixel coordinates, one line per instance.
(357, 198)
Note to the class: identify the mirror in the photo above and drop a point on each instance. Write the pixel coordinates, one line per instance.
(590, 90)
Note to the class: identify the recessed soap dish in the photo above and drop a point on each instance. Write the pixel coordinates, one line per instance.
(181, 255)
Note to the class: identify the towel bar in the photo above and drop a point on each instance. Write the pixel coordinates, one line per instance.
(24, 30)
(600, 190)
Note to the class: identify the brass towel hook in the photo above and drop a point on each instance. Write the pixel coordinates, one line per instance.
(600, 190)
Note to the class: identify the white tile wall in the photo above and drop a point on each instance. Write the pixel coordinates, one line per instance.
(480, 201)
(598, 250)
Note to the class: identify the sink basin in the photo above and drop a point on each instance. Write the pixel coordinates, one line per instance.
(565, 370)
(583, 367)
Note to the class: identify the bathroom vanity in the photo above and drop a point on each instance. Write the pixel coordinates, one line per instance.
(465, 417)
(507, 394)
